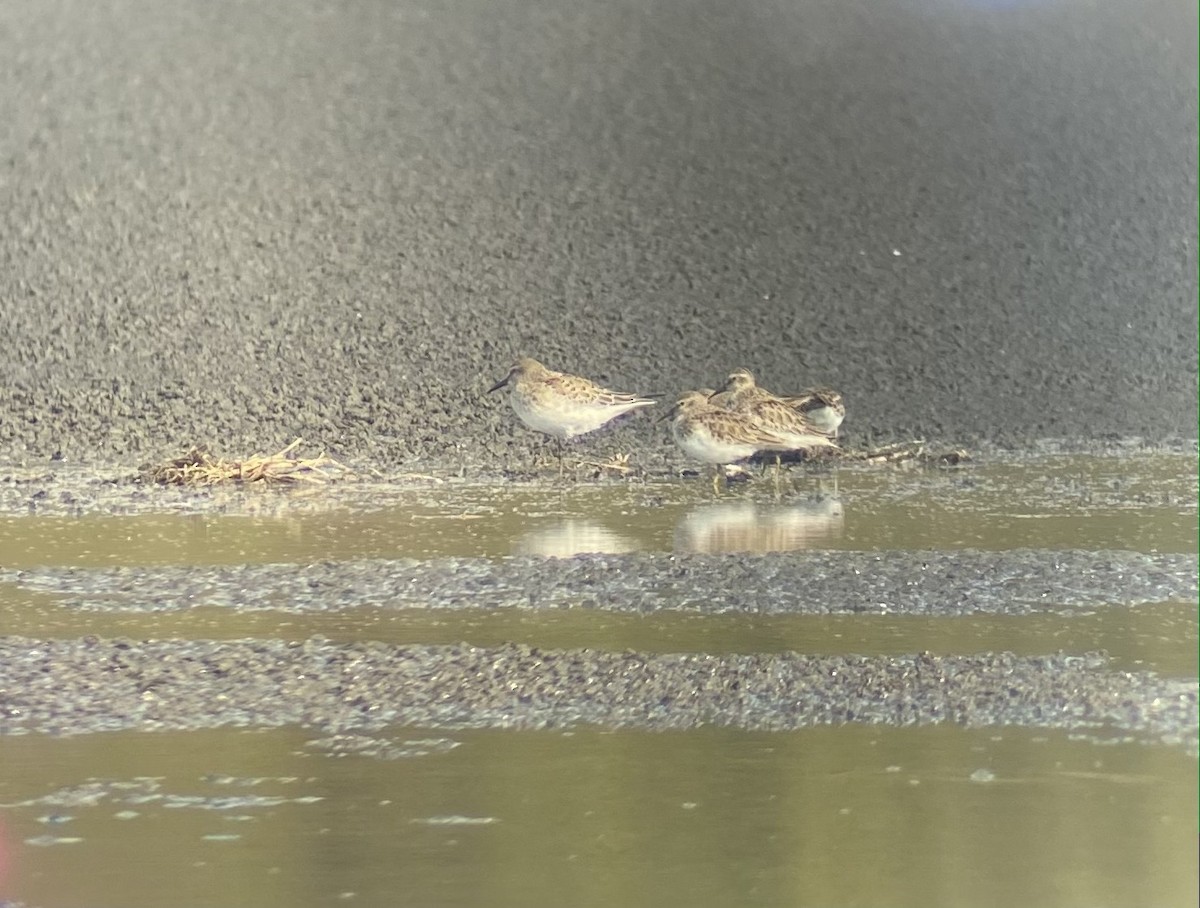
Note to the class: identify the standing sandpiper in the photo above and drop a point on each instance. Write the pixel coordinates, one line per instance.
(560, 405)
(717, 436)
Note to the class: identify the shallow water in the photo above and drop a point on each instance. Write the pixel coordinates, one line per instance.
(1055, 503)
(826, 816)
(1160, 637)
(937, 815)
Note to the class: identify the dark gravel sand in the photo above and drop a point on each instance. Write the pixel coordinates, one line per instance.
(105, 685)
(238, 223)
(908, 583)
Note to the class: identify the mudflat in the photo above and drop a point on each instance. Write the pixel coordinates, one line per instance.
(238, 224)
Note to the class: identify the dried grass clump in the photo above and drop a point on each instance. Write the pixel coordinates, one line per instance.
(200, 468)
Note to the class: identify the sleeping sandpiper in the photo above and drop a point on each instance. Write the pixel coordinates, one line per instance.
(823, 407)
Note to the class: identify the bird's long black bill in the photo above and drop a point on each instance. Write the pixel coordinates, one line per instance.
(498, 385)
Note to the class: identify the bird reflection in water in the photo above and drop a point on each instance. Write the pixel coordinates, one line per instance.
(565, 538)
(747, 526)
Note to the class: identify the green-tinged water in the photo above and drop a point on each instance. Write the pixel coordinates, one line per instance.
(1159, 637)
(826, 816)
(843, 815)
(1080, 502)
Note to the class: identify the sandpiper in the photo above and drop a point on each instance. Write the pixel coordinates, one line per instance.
(792, 427)
(784, 416)
(739, 387)
(779, 416)
(717, 436)
(823, 407)
(560, 405)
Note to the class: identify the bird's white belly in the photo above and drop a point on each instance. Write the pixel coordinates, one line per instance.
(702, 445)
(559, 418)
(800, 440)
(826, 419)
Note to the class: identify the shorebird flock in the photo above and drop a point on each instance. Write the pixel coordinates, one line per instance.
(719, 426)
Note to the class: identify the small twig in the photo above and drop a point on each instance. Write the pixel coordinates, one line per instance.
(618, 463)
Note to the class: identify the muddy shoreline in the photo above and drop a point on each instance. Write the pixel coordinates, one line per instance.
(91, 684)
(116, 487)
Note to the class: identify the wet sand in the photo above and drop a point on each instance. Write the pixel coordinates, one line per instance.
(934, 584)
(113, 685)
